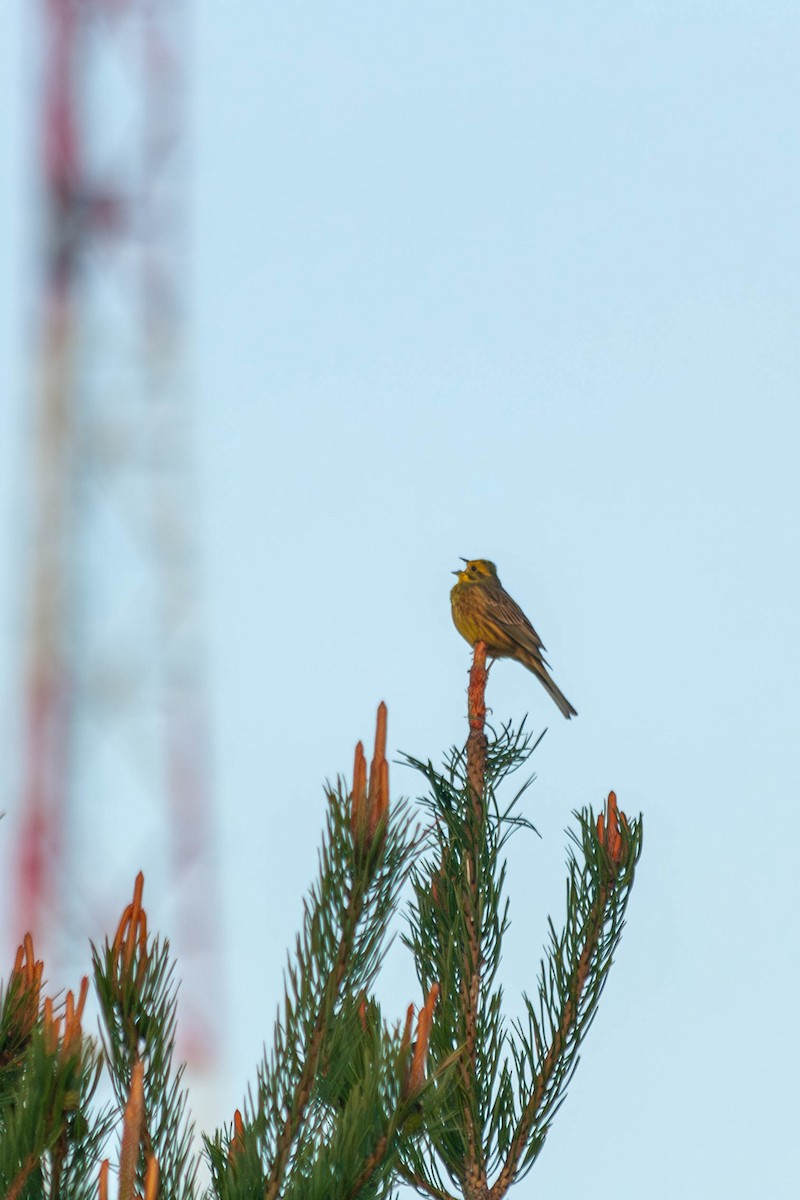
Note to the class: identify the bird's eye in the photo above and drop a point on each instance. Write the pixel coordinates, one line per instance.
(473, 568)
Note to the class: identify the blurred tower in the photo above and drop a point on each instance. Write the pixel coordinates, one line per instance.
(116, 772)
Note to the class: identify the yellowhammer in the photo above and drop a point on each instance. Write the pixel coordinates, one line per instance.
(484, 612)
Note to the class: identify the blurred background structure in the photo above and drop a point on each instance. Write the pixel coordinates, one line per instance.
(116, 757)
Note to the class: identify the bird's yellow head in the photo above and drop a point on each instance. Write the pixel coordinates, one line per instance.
(476, 570)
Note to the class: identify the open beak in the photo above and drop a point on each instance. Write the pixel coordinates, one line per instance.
(455, 572)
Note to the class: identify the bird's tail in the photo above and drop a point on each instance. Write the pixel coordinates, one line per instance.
(537, 666)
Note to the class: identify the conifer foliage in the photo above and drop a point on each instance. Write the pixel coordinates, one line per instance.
(509, 1082)
(347, 1103)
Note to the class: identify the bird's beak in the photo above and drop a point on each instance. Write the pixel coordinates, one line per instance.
(461, 556)
(455, 572)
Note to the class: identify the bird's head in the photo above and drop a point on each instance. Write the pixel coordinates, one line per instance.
(476, 570)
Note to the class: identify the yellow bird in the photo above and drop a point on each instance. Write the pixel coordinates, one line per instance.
(483, 611)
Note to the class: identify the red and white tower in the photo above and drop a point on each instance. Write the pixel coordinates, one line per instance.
(116, 755)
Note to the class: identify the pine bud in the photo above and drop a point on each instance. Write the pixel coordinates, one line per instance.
(151, 1179)
(415, 1077)
(236, 1145)
(130, 938)
(613, 832)
(23, 996)
(369, 805)
(63, 1039)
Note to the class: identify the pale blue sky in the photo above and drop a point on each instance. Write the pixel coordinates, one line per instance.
(518, 281)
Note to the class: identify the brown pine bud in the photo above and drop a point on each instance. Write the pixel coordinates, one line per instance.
(369, 804)
(416, 1077)
(25, 985)
(131, 936)
(612, 832)
(151, 1179)
(237, 1141)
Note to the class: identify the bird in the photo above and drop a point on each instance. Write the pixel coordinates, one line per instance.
(483, 611)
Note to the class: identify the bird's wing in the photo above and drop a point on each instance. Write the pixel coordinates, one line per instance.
(512, 619)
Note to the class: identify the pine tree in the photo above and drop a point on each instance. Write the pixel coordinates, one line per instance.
(346, 1103)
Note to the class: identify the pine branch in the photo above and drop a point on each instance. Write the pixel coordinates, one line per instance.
(20, 1180)
(474, 1169)
(457, 924)
(19, 1010)
(302, 1090)
(424, 1185)
(285, 1138)
(508, 1084)
(48, 1132)
(573, 977)
(344, 1103)
(372, 1092)
(134, 980)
